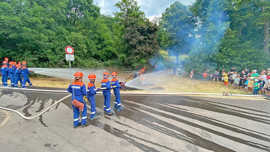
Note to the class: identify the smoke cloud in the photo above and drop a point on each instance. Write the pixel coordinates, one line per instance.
(206, 35)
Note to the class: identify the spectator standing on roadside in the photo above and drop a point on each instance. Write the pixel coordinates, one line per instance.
(191, 74)
(261, 83)
(263, 76)
(205, 75)
(267, 83)
(254, 74)
(246, 83)
(250, 84)
(255, 87)
(234, 76)
(242, 78)
(230, 74)
(246, 71)
(268, 76)
(236, 81)
(267, 87)
(226, 79)
(223, 75)
(216, 75)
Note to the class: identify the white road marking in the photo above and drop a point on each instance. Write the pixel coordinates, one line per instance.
(133, 93)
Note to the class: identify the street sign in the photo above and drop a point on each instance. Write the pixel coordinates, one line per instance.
(69, 50)
(70, 57)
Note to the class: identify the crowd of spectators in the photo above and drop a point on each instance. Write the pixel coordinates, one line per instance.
(251, 80)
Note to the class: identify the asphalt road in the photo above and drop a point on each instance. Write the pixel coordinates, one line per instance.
(149, 123)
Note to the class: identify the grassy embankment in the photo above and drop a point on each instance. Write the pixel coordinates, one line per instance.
(176, 84)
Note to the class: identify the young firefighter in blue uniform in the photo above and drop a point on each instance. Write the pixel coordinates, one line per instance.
(106, 87)
(116, 89)
(9, 69)
(18, 77)
(7, 61)
(25, 74)
(78, 90)
(91, 95)
(11, 74)
(4, 72)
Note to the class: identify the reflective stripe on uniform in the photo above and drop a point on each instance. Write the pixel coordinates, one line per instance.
(76, 87)
(108, 109)
(84, 117)
(119, 104)
(93, 112)
(76, 119)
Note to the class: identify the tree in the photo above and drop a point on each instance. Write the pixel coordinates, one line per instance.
(259, 12)
(38, 31)
(244, 44)
(138, 33)
(233, 53)
(178, 22)
(211, 24)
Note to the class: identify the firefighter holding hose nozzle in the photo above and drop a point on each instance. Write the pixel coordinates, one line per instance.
(116, 89)
(78, 90)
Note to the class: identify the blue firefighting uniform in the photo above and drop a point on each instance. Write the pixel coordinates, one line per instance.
(11, 73)
(92, 99)
(25, 74)
(105, 83)
(18, 77)
(4, 72)
(78, 91)
(116, 89)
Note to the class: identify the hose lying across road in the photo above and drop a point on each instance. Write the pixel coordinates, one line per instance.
(42, 112)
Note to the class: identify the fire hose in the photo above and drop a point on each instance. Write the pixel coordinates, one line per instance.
(39, 114)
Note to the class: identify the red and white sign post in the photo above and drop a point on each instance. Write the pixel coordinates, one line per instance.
(69, 55)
